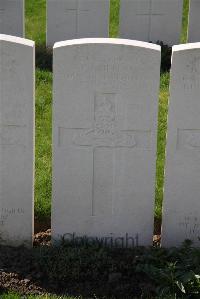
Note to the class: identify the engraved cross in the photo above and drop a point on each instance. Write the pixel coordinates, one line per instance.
(105, 133)
(77, 10)
(150, 14)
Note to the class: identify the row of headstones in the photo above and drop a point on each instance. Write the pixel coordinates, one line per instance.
(104, 141)
(145, 20)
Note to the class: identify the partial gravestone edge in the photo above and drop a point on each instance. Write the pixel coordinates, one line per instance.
(17, 140)
(12, 17)
(17, 40)
(181, 206)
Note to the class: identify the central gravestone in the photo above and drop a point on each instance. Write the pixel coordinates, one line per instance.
(70, 19)
(151, 20)
(12, 17)
(105, 122)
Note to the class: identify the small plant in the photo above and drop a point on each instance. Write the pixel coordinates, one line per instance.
(139, 272)
(176, 271)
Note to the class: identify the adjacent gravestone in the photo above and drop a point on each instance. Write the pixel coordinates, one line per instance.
(12, 17)
(16, 140)
(70, 19)
(151, 20)
(194, 24)
(181, 214)
(104, 152)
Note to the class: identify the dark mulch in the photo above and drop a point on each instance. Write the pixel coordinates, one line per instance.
(19, 272)
(22, 271)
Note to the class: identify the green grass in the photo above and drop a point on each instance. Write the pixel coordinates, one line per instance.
(114, 18)
(185, 21)
(43, 143)
(36, 21)
(15, 296)
(161, 142)
(35, 29)
(162, 123)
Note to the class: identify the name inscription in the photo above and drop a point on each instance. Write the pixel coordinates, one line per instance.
(7, 213)
(115, 70)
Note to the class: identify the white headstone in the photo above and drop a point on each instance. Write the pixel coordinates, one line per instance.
(181, 214)
(12, 17)
(194, 22)
(16, 140)
(70, 19)
(151, 20)
(104, 152)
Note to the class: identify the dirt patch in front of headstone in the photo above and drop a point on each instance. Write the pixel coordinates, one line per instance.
(41, 226)
(49, 270)
(19, 272)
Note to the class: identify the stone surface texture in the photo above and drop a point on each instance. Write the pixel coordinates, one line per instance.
(12, 17)
(70, 19)
(151, 20)
(181, 213)
(194, 22)
(104, 139)
(16, 140)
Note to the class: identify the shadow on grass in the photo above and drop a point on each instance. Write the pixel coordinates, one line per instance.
(44, 58)
(166, 53)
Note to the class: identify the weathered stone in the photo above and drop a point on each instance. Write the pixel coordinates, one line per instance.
(151, 20)
(104, 151)
(181, 213)
(16, 140)
(12, 17)
(70, 19)
(193, 28)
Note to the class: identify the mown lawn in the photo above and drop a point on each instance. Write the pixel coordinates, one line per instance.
(15, 296)
(35, 29)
